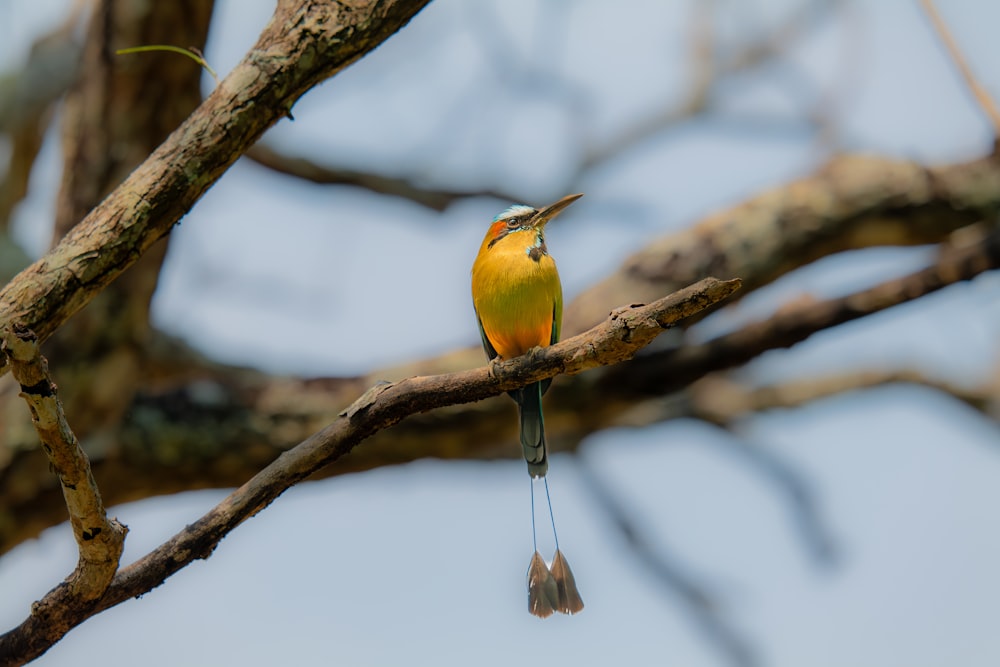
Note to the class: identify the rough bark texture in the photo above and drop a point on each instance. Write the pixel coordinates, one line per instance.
(100, 539)
(624, 333)
(855, 201)
(304, 43)
(155, 417)
(197, 424)
(121, 109)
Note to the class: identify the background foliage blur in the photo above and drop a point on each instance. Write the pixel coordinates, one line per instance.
(857, 528)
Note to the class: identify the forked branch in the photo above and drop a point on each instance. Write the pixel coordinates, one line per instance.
(626, 331)
(304, 43)
(100, 540)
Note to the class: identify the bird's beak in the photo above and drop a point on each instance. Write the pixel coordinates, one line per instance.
(546, 214)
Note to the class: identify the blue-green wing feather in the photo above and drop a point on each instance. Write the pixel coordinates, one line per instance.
(553, 339)
(487, 345)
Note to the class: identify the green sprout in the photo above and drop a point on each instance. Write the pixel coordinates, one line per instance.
(191, 53)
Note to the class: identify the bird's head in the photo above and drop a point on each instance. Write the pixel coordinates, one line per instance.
(521, 218)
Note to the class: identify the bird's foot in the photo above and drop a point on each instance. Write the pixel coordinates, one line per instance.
(491, 365)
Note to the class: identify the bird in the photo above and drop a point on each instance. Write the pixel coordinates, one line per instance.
(518, 303)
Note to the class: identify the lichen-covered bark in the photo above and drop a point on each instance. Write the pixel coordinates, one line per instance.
(855, 201)
(121, 108)
(304, 43)
(197, 424)
(620, 337)
(100, 540)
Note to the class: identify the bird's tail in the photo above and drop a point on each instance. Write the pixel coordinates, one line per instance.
(529, 405)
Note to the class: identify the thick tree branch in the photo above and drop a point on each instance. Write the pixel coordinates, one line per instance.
(854, 201)
(671, 370)
(625, 332)
(218, 425)
(305, 42)
(120, 109)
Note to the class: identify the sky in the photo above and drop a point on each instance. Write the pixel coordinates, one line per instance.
(424, 564)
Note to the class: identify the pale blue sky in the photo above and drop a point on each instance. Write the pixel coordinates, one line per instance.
(424, 564)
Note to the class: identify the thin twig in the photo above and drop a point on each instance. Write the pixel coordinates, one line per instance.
(437, 199)
(982, 96)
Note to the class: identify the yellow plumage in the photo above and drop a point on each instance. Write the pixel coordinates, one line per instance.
(518, 301)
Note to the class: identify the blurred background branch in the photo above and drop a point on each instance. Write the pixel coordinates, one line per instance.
(168, 415)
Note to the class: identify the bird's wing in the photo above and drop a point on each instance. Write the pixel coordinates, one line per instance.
(554, 336)
(556, 322)
(487, 345)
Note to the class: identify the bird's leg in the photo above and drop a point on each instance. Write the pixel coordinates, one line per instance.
(533, 352)
(491, 365)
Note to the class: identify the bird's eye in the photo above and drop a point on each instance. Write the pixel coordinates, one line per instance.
(513, 223)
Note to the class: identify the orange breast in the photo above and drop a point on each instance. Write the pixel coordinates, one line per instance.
(513, 341)
(518, 299)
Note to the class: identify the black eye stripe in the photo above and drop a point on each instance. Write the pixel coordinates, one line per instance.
(519, 221)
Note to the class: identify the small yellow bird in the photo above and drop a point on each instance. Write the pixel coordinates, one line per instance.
(518, 300)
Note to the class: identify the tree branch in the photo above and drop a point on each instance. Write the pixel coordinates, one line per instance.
(100, 540)
(305, 42)
(248, 417)
(723, 401)
(979, 93)
(709, 69)
(436, 199)
(854, 201)
(625, 332)
(670, 370)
